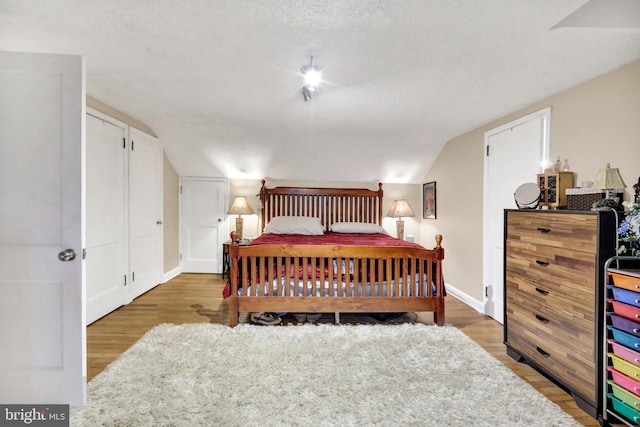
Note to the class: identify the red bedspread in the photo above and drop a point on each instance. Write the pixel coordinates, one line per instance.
(333, 239)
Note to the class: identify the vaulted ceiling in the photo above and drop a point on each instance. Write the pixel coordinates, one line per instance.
(219, 80)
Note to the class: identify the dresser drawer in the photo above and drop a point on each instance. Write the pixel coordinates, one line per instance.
(554, 296)
(549, 330)
(551, 265)
(558, 360)
(575, 231)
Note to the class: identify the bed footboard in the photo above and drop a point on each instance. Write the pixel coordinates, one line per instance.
(356, 279)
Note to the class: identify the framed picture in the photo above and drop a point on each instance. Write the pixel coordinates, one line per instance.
(429, 200)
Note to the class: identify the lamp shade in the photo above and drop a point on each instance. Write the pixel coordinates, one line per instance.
(240, 206)
(400, 208)
(608, 178)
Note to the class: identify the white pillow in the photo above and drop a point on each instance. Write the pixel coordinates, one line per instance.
(357, 227)
(305, 225)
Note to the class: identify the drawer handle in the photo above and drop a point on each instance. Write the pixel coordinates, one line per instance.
(636, 330)
(637, 316)
(543, 292)
(542, 352)
(543, 230)
(539, 262)
(542, 319)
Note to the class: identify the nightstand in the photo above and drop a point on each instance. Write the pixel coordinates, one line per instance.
(226, 260)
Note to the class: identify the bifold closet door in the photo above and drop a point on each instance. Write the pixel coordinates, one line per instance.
(145, 212)
(106, 262)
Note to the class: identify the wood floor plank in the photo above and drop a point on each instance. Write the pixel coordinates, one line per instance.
(197, 298)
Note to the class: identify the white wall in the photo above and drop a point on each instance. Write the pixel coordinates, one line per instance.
(591, 124)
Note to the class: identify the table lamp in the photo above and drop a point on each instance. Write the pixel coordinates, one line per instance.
(607, 179)
(240, 206)
(400, 208)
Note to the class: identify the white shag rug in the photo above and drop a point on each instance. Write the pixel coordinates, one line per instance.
(321, 375)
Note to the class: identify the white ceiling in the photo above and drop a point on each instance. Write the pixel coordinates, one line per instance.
(219, 81)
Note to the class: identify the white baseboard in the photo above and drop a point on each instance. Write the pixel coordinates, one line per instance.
(171, 274)
(465, 298)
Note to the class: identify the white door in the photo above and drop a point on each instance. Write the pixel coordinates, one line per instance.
(106, 261)
(203, 207)
(42, 333)
(515, 154)
(145, 212)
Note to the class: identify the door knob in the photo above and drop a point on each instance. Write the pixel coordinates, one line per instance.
(67, 255)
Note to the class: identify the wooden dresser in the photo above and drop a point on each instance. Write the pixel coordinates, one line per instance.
(554, 289)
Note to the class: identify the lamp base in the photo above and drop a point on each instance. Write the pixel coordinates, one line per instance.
(400, 229)
(239, 228)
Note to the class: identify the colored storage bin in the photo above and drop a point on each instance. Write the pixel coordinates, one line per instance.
(624, 338)
(625, 310)
(626, 325)
(625, 395)
(624, 381)
(624, 409)
(626, 353)
(625, 281)
(625, 296)
(621, 365)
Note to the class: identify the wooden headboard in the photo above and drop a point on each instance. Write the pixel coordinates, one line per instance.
(329, 204)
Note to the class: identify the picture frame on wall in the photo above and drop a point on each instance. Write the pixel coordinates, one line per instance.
(429, 200)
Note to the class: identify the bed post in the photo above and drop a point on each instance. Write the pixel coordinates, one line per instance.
(233, 280)
(380, 193)
(438, 314)
(263, 197)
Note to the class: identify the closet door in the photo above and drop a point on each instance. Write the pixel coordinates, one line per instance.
(145, 212)
(107, 244)
(202, 224)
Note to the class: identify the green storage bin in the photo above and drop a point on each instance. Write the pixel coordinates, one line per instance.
(625, 395)
(623, 409)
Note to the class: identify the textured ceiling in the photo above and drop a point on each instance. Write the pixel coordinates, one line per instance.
(219, 81)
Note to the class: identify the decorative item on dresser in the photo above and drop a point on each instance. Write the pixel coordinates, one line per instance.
(621, 369)
(582, 199)
(553, 186)
(553, 295)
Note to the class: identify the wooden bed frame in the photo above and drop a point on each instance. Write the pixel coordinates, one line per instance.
(262, 265)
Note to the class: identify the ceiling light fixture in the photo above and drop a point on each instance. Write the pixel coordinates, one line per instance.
(312, 78)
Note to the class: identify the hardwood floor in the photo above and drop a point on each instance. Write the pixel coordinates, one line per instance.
(197, 298)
